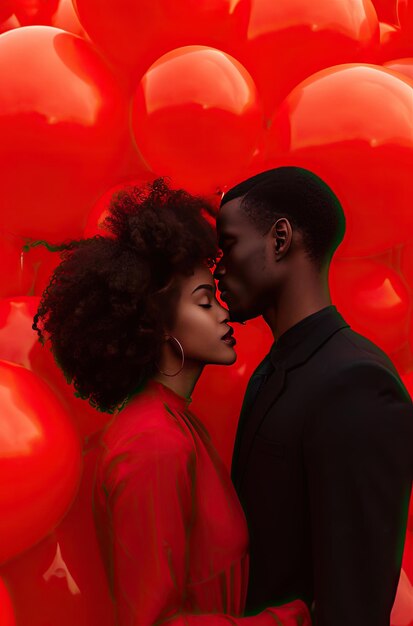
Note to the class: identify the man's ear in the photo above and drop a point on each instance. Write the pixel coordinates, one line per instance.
(281, 232)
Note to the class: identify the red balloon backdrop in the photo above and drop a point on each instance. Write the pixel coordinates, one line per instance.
(40, 460)
(207, 92)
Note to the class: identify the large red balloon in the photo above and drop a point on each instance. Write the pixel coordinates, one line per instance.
(40, 460)
(288, 40)
(373, 299)
(134, 34)
(19, 344)
(352, 125)
(62, 128)
(196, 117)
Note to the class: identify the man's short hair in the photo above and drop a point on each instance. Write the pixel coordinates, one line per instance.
(300, 196)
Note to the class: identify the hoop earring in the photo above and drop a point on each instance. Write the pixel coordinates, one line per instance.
(182, 357)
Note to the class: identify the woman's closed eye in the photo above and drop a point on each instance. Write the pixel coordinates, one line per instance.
(206, 306)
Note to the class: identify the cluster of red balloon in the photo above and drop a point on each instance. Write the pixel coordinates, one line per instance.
(97, 95)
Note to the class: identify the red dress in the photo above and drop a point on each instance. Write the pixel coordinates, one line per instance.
(172, 532)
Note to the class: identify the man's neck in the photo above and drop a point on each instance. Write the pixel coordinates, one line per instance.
(297, 302)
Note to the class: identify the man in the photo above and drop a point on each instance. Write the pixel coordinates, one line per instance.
(323, 459)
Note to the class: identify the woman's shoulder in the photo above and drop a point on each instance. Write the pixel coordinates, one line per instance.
(147, 423)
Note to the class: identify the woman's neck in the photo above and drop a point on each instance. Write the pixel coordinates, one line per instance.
(184, 382)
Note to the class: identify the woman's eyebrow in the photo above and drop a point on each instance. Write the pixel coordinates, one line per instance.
(205, 286)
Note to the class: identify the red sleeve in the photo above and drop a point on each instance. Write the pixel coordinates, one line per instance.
(149, 491)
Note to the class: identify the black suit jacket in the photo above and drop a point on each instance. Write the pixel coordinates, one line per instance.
(323, 466)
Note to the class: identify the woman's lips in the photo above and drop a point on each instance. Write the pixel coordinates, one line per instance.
(230, 341)
(228, 338)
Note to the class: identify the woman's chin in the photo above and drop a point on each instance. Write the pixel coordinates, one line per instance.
(227, 359)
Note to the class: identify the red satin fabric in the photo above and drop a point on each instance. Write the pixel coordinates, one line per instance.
(172, 532)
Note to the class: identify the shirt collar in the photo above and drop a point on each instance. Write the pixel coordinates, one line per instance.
(298, 342)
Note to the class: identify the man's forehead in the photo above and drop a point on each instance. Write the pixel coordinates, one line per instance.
(231, 215)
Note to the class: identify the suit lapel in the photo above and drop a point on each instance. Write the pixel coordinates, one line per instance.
(291, 357)
(267, 396)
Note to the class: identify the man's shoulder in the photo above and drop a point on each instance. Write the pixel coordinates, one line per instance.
(348, 349)
(350, 362)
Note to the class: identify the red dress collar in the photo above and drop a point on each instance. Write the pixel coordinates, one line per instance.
(170, 397)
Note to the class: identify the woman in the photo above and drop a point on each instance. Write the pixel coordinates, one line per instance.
(133, 319)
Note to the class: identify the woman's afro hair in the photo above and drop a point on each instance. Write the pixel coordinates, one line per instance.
(111, 298)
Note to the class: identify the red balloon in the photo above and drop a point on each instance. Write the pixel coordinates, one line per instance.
(352, 125)
(17, 268)
(62, 579)
(19, 344)
(404, 66)
(220, 410)
(204, 129)
(289, 40)
(134, 34)
(373, 299)
(63, 128)
(6, 606)
(40, 460)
